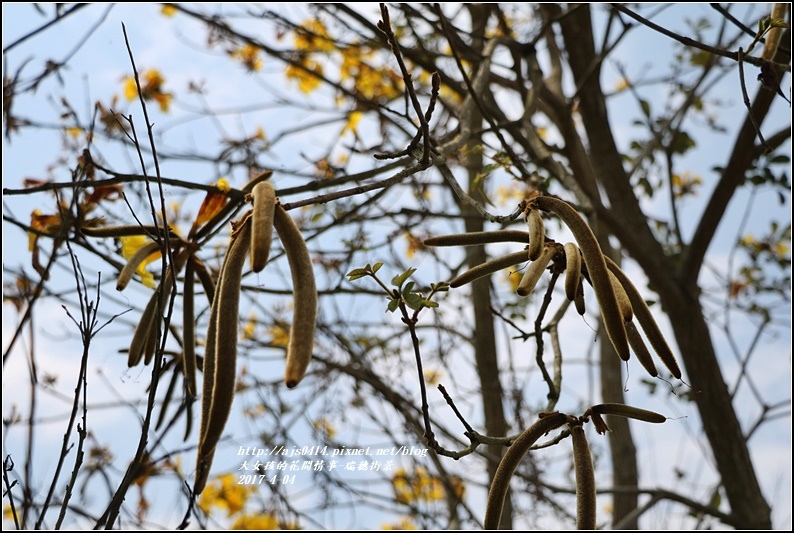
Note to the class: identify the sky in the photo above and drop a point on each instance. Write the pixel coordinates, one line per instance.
(176, 46)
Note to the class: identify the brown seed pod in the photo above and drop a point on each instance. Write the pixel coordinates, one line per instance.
(304, 321)
(537, 233)
(225, 347)
(478, 237)
(573, 270)
(204, 463)
(585, 480)
(134, 262)
(204, 277)
(640, 350)
(501, 480)
(596, 268)
(141, 334)
(141, 343)
(645, 318)
(624, 304)
(578, 300)
(535, 271)
(627, 411)
(124, 231)
(189, 332)
(262, 224)
(489, 267)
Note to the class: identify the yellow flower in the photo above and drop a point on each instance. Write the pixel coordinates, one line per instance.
(307, 82)
(225, 493)
(130, 245)
(250, 56)
(432, 377)
(684, 184)
(151, 86)
(256, 521)
(324, 426)
(352, 122)
(74, 132)
(249, 329)
(420, 486)
(168, 10)
(405, 523)
(621, 85)
(280, 335)
(312, 36)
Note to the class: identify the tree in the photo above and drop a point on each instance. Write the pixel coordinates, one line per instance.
(395, 128)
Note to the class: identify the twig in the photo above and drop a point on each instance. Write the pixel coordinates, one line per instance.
(384, 26)
(695, 44)
(747, 102)
(8, 466)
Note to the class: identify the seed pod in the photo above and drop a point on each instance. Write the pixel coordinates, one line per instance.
(646, 320)
(501, 480)
(304, 321)
(478, 237)
(262, 224)
(124, 231)
(169, 393)
(204, 463)
(585, 480)
(535, 271)
(640, 350)
(204, 277)
(189, 332)
(596, 267)
(578, 301)
(573, 270)
(140, 338)
(537, 234)
(490, 267)
(619, 409)
(623, 300)
(134, 262)
(225, 347)
(141, 334)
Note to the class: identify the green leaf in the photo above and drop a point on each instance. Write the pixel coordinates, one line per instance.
(407, 288)
(682, 143)
(646, 108)
(376, 267)
(357, 273)
(393, 305)
(398, 280)
(413, 300)
(429, 303)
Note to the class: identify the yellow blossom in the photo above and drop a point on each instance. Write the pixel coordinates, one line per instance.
(74, 132)
(420, 486)
(250, 56)
(324, 426)
(249, 329)
(130, 245)
(312, 36)
(432, 376)
(151, 86)
(405, 523)
(280, 335)
(168, 10)
(352, 121)
(225, 492)
(256, 522)
(621, 85)
(307, 82)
